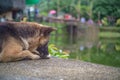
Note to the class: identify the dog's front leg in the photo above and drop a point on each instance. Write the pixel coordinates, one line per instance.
(27, 54)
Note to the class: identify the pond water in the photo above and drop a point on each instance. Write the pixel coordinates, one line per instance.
(88, 46)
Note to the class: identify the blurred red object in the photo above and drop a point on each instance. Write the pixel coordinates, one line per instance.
(67, 16)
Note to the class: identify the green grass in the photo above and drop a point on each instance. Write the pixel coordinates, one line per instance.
(115, 28)
(109, 34)
(111, 29)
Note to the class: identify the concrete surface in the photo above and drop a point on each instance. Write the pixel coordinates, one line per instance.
(57, 69)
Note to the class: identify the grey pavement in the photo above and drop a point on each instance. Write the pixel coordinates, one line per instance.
(57, 69)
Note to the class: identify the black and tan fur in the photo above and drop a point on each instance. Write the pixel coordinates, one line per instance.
(20, 40)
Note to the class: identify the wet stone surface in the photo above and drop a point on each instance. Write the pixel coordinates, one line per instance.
(57, 69)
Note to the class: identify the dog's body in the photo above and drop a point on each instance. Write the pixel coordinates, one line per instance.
(20, 40)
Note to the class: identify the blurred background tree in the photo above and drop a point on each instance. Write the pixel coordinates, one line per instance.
(107, 8)
(95, 9)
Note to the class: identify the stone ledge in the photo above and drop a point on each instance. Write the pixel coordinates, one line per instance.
(57, 69)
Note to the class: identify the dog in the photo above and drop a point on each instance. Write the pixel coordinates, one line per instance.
(20, 40)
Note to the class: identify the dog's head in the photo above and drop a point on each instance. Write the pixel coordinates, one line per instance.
(45, 34)
(43, 42)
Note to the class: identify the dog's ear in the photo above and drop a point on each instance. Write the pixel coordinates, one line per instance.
(47, 30)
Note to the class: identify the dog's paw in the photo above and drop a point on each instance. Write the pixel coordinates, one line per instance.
(34, 57)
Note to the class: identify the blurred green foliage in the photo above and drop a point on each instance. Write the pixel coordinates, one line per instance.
(118, 22)
(106, 54)
(95, 9)
(109, 34)
(106, 8)
(105, 21)
(54, 51)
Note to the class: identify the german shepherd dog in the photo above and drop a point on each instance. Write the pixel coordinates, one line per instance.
(21, 40)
